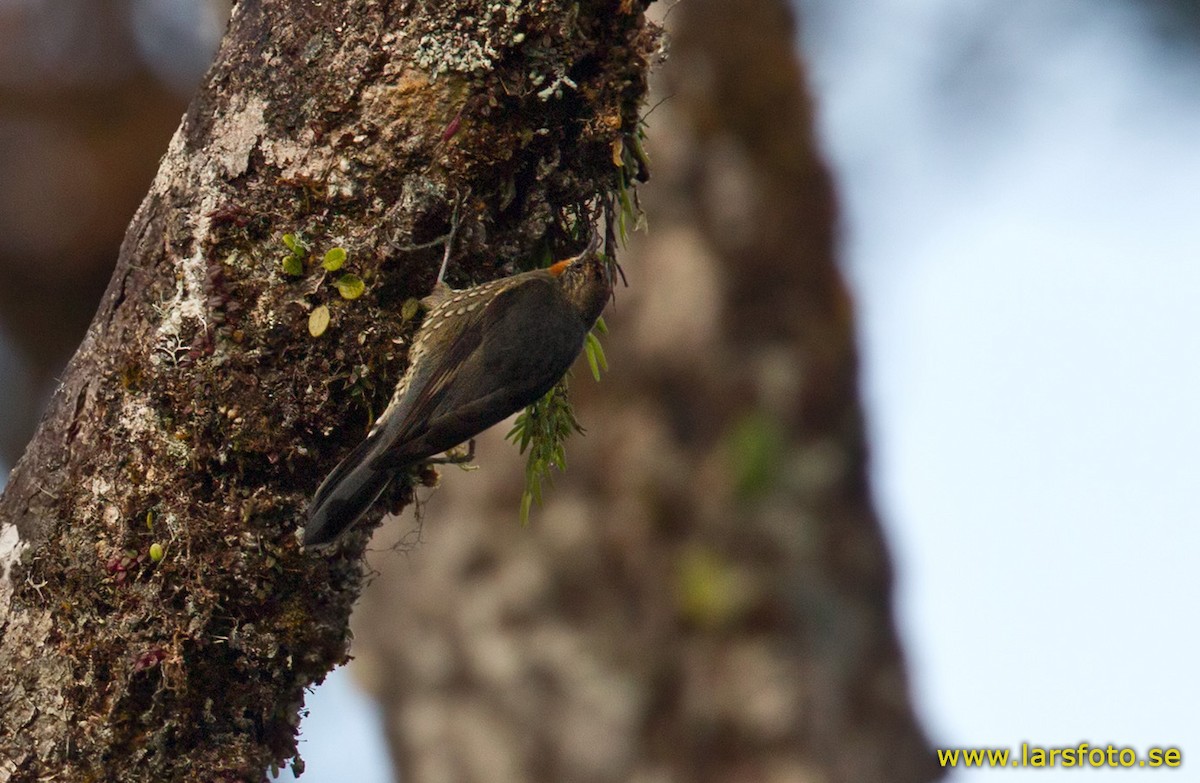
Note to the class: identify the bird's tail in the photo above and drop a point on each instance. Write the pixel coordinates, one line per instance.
(345, 495)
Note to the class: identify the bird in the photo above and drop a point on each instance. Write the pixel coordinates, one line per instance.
(481, 354)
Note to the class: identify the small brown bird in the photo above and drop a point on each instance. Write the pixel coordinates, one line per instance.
(481, 355)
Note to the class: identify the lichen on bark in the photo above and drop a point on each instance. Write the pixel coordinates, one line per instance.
(200, 413)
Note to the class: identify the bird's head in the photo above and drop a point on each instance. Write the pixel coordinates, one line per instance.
(586, 280)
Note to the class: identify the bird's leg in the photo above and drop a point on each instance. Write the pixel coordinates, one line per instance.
(446, 240)
(449, 244)
(456, 456)
(399, 494)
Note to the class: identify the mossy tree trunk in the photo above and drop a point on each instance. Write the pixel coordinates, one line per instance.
(706, 595)
(159, 620)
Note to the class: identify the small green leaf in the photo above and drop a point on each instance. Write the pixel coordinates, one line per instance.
(156, 552)
(526, 503)
(318, 321)
(589, 350)
(600, 353)
(334, 259)
(292, 243)
(293, 265)
(756, 449)
(350, 286)
(595, 355)
(409, 309)
(708, 588)
(542, 429)
(626, 210)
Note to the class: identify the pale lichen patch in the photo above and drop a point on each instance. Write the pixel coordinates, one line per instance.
(142, 425)
(188, 304)
(176, 151)
(11, 549)
(101, 487)
(299, 159)
(471, 42)
(237, 133)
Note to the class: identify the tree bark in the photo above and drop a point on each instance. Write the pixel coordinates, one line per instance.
(706, 595)
(159, 619)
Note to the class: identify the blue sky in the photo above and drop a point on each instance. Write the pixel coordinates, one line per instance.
(1021, 232)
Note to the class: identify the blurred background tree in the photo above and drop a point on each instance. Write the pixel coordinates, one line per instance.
(90, 92)
(705, 596)
(683, 603)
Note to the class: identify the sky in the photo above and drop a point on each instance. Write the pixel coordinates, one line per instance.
(1021, 233)
(1020, 230)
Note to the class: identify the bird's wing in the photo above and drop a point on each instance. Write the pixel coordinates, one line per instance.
(358, 480)
(425, 391)
(502, 361)
(405, 429)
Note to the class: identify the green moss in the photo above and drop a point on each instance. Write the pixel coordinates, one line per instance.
(755, 446)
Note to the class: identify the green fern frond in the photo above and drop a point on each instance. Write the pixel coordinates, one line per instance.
(542, 429)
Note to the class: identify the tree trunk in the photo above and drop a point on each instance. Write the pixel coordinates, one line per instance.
(159, 619)
(705, 595)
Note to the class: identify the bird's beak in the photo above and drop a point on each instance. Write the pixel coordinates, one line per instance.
(558, 267)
